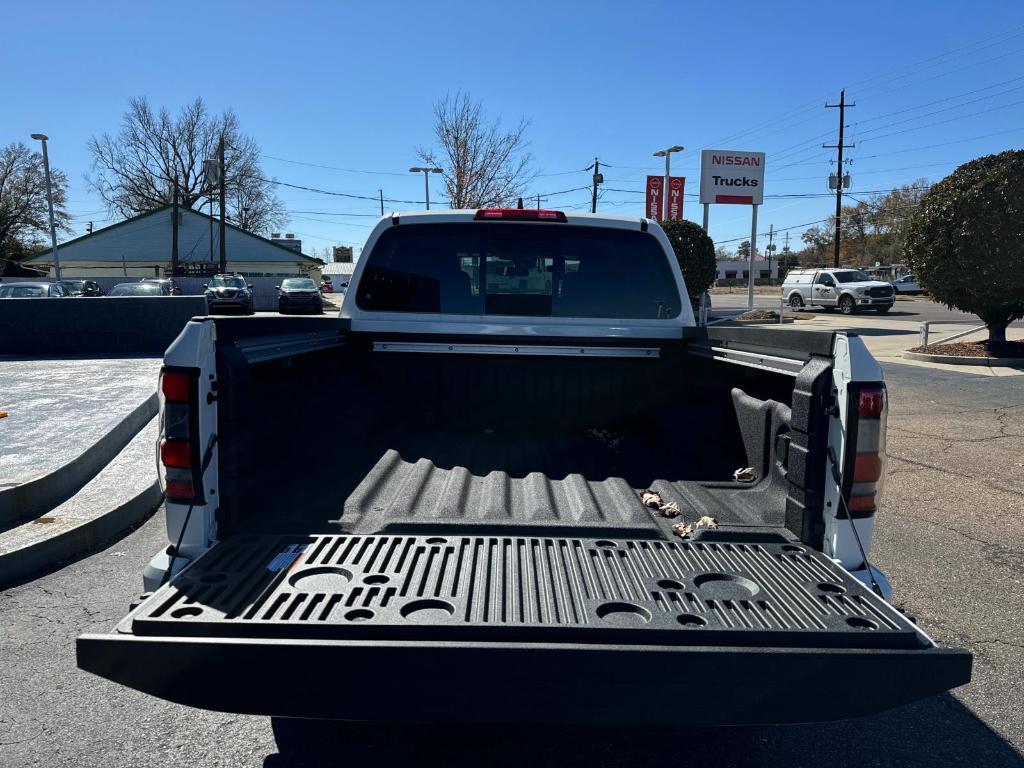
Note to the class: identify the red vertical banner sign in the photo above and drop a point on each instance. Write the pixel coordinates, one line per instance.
(652, 209)
(676, 185)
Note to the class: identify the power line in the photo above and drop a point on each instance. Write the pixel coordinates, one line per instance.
(943, 122)
(948, 98)
(334, 167)
(942, 144)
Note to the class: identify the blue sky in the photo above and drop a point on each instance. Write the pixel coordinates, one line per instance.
(351, 86)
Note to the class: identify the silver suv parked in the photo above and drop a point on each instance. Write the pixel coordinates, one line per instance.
(848, 289)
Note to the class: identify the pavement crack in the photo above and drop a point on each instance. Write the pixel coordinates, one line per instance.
(966, 475)
(996, 641)
(964, 534)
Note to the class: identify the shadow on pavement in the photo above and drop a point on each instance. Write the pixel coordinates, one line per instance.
(937, 731)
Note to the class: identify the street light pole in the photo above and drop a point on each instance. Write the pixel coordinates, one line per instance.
(667, 154)
(42, 137)
(426, 180)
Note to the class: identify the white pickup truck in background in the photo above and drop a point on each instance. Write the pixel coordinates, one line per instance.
(551, 496)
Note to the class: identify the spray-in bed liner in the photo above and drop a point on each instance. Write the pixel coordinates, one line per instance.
(399, 496)
(522, 589)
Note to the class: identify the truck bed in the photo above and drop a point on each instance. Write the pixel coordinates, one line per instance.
(398, 627)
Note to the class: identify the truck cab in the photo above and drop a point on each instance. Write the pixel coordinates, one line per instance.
(850, 290)
(554, 498)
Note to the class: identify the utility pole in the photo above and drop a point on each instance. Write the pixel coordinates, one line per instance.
(223, 197)
(381, 201)
(768, 251)
(174, 231)
(597, 179)
(841, 106)
(538, 201)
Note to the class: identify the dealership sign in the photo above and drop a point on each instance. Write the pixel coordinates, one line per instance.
(654, 207)
(731, 177)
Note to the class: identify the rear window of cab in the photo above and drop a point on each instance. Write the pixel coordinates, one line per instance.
(534, 270)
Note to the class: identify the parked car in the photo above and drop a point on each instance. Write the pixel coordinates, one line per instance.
(298, 294)
(137, 289)
(32, 290)
(82, 287)
(169, 286)
(907, 284)
(486, 546)
(850, 290)
(228, 293)
(326, 286)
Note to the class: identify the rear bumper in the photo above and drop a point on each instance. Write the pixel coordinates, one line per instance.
(474, 682)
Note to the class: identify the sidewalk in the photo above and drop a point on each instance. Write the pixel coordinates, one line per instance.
(887, 338)
(57, 408)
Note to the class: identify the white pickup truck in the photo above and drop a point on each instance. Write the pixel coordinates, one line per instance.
(468, 536)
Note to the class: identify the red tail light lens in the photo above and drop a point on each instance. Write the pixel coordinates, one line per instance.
(867, 468)
(862, 503)
(871, 402)
(176, 453)
(521, 214)
(179, 484)
(177, 387)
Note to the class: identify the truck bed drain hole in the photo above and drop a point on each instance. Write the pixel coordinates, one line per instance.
(324, 579)
(691, 620)
(670, 584)
(359, 614)
(623, 614)
(859, 622)
(436, 540)
(428, 610)
(376, 578)
(184, 613)
(792, 548)
(606, 544)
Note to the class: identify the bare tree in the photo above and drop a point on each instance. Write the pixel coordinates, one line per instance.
(24, 218)
(484, 164)
(136, 170)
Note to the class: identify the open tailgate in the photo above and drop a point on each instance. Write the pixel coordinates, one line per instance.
(504, 628)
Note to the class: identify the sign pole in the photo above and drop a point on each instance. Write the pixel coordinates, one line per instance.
(664, 190)
(753, 250)
(707, 206)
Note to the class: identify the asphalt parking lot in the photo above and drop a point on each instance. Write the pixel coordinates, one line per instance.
(950, 537)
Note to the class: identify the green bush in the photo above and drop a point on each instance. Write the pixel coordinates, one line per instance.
(695, 252)
(966, 237)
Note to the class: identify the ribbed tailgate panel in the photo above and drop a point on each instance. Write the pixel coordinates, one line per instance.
(522, 589)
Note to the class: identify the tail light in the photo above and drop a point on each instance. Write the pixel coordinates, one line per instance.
(179, 449)
(520, 214)
(865, 464)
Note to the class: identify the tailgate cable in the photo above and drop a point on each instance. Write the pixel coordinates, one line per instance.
(207, 457)
(835, 476)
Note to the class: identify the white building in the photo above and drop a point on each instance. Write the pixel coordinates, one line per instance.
(141, 247)
(738, 269)
(340, 273)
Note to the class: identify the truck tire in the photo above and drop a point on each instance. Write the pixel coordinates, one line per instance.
(796, 300)
(847, 305)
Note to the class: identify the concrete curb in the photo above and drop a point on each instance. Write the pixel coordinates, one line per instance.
(35, 557)
(990, 362)
(41, 494)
